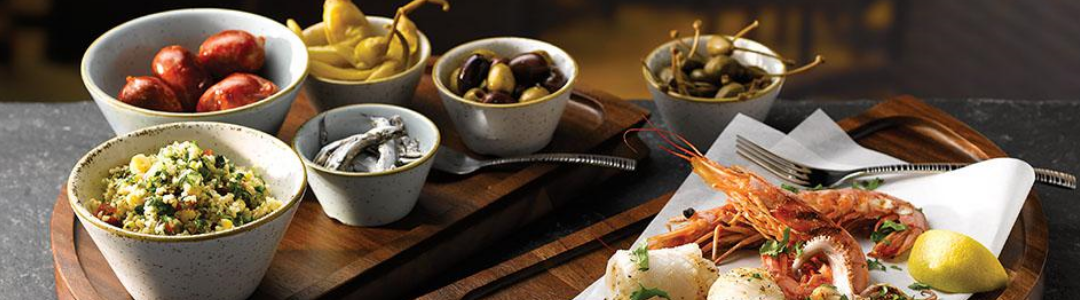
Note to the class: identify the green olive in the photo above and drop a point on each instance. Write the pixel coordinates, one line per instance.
(474, 94)
(534, 93)
(454, 81)
(500, 79)
(730, 90)
(719, 45)
(485, 53)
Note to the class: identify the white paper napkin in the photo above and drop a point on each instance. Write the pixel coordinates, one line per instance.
(981, 200)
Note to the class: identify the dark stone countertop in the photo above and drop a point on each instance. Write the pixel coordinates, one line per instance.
(39, 143)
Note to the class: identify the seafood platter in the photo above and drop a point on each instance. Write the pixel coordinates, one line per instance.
(580, 265)
(263, 159)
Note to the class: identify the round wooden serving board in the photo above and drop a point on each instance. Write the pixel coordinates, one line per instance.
(903, 127)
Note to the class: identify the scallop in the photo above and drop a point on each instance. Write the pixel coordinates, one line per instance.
(745, 284)
(681, 272)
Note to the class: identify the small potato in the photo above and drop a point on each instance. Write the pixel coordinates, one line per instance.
(232, 51)
(237, 90)
(179, 68)
(151, 93)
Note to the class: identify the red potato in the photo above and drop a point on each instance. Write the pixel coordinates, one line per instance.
(232, 51)
(180, 68)
(151, 93)
(237, 90)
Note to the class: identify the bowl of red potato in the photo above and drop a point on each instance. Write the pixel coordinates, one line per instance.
(196, 65)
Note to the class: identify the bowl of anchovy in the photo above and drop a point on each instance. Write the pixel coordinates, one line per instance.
(701, 83)
(367, 162)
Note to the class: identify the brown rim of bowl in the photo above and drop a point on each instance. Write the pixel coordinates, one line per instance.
(425, 53)
(570, 80)
(85, 215)
(649, 76)
(94, 89)
(423, 159)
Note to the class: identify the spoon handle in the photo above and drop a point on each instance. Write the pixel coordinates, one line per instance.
(606, 161)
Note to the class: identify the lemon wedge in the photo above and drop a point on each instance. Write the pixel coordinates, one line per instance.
(953, 262)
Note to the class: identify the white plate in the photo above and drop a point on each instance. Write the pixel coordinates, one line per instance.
(981, 200)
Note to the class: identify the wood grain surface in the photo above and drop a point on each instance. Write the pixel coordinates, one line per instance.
(456, 215)
(903, 127)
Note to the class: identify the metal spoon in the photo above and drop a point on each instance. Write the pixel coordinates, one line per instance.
(451, 161)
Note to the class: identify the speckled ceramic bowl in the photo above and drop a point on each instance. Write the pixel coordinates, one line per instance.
(367, 199)
(128, 49)
(701, 120)
(220, 265)
(505, 129)
(326, 93)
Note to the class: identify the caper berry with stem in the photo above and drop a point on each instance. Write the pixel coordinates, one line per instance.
(730, 90)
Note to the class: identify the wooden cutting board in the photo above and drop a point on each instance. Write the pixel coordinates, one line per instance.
(903, 127)
(456, 215)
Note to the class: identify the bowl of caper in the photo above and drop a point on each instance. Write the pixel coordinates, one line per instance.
(505, 95)
(700, 83)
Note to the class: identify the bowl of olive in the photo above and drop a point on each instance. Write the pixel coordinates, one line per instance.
(505, 95)
(701, 83)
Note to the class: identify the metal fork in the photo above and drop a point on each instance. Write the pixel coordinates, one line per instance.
(452, 161)
(807, 176)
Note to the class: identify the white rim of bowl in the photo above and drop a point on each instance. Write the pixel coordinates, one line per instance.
(423, 159)
(86, 216)
(570, 80)
(665, 46)
(425, 53)
(109, 98)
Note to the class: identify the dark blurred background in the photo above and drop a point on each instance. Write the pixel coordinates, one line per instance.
(875, 48)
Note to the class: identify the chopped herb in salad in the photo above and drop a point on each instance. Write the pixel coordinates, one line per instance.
(182, 190)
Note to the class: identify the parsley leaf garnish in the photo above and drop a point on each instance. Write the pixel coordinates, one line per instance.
(919, 286)
(895, 267)
(774, 248)
(868, 185)
(886, 228)
(640, 256)
(875, 264)
(644, 293)
(789, 188)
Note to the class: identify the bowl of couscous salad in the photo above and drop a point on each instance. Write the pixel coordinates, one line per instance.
(189, 210)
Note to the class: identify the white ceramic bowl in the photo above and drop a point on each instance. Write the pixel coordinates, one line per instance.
(220, 265)
(367, 199)
(326, 93)
(505, 129)
(128, 49)
(701, 120)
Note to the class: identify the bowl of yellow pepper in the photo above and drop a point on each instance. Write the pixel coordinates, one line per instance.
(357, 58)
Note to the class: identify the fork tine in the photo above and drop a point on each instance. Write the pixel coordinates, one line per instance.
(777, 158)
(785, 173)
(803, 173)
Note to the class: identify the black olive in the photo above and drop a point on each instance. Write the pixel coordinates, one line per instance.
(745, 75)
(530, 68)
(473, 72)
(498, 98)
(554, 81)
